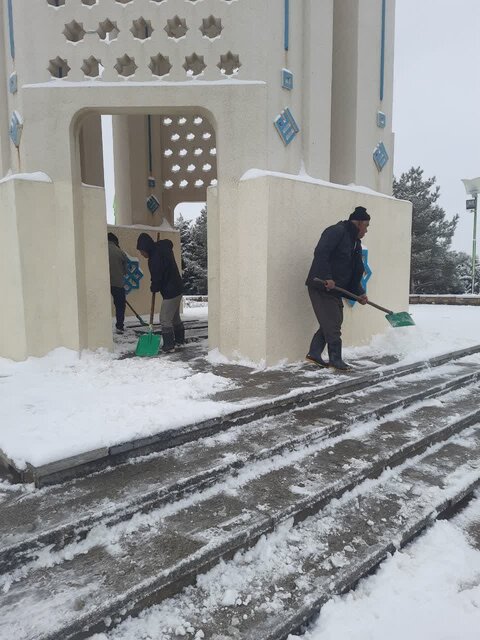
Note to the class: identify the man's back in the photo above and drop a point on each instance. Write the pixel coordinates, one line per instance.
(164, 271)
(117, 261)
(337, 256)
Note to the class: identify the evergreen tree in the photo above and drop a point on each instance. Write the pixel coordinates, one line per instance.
(198, 245)
(433, 266)
(184, 226)
(193, 238)
(463, 273)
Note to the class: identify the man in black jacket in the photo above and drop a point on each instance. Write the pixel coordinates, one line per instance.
(337, 262)
(166, 279)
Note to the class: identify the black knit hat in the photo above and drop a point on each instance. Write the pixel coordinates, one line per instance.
(360, 213)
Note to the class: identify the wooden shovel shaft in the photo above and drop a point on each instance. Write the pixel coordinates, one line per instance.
(139, 318)
(355, 297)
(152, 310)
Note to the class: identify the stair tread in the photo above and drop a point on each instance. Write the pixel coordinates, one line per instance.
(25, 513)
(187, 535)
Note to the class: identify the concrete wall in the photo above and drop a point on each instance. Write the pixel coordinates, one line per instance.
(97, 280)
(246, 220)
(27, 260)
(281, 222)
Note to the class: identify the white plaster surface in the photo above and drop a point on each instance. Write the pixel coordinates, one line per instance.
(336, 88)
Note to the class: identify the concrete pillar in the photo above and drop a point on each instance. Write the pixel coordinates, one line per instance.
(344, 91)
(121, 155)
(4, 138)
(317, 73)
(91, 150)
(356, 94)
(136, 148)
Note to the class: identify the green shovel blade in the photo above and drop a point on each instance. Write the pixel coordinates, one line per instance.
(148, 345)
(402, 319)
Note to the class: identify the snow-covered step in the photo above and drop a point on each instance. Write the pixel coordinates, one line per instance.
(59, 515)
(280, 584)
(279, 398)
(121, 570)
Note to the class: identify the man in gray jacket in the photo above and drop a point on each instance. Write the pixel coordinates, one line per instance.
(117, 261)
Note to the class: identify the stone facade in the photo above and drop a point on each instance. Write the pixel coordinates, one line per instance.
(201, 92)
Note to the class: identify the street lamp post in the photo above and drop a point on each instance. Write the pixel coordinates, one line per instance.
(472, 187)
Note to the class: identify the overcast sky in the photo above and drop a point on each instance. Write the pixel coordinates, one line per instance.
(436, 106)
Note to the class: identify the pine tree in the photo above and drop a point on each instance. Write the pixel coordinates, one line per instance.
(184, 226)
(198, 244)
(433, 266)
(193, 238)
(463, 272)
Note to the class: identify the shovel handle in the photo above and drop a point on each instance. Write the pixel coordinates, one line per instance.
(355, 297)
(152, 310)
(139, 318)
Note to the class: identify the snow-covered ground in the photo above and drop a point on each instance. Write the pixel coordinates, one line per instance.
(428, 591)
(65, 403)
(68, 403)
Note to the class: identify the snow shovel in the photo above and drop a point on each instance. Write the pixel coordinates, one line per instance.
(149, 344)
(401, 319)
(139, 318)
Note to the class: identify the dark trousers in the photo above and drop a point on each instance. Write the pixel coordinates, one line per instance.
(170, 313)
(118, 294)
(329, 312)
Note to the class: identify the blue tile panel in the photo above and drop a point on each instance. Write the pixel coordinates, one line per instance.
(286, 126)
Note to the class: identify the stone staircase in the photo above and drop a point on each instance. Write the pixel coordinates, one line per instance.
(245, 526)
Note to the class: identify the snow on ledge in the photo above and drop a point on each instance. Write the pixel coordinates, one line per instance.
(253, 174)
(62, 84)
(36, 176)
(165, 226)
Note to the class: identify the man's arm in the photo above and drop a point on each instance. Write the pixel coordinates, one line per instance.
(155, 266)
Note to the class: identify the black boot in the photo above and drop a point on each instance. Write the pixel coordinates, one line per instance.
(168, 341)
(316, 349)
(335, 355)
(179, 331)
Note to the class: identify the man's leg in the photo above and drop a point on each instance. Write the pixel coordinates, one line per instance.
(118, 294)
(329, 313)
(168, 311)
(178, 327)
(318, 342)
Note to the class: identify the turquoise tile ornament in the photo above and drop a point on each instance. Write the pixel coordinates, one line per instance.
(287, 79)
(286, 126)
(16, 128)
(13, 83)
(380, 156)
(381, 120)
(133, 276)
(152, 204)
(367, 274)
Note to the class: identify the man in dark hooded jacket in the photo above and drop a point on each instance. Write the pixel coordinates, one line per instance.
(337, 262)
(166, 280)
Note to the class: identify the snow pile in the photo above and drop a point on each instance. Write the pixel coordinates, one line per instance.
(438, 329)
(65, 404)
(429, 590)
